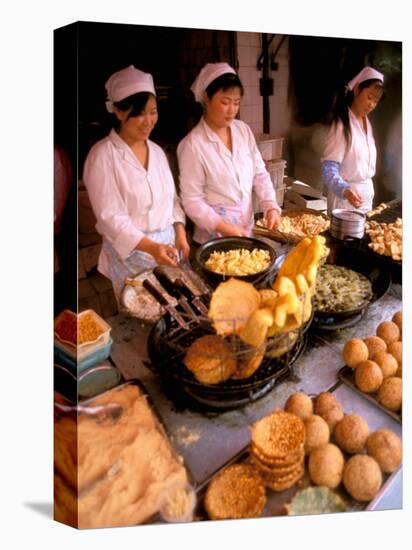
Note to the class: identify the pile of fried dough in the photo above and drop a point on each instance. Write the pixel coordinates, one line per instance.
(257, 317)
(386, 238)
(238, 308)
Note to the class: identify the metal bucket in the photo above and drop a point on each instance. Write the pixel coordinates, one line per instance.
(347, 224)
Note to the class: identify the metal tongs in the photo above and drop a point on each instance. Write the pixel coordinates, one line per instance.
(164, 303)
(188, 293)
(172, 289)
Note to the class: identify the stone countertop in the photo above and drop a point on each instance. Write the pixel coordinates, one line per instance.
(207, 440)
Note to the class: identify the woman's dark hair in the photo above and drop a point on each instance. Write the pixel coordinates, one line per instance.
(344, 101)
(136, 101)
(224, 82)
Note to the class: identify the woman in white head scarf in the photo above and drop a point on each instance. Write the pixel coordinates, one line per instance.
(349, 157)
(131, 187)
(220, 164)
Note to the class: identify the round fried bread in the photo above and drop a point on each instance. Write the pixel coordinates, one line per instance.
(300, 404)
(386, 362)
(278, 434)
(211, 359)
(351, 433)
(374, 344)
(368, 376)
(329, 408)
(236, 492)
(362, 477)
(281, 462)
(386, 448)
(317, 432)
(390, 393)
(395, 349)
(276, 471)
(355, 351)
(279, 485)
(326, 465)
(397, 319)
(232, 303)
(388, 331)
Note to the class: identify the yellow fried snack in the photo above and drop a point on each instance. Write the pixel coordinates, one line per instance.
(289, 266)
(232, 303)
(284, 285)
(267, 297)
(288, 303)
(255, 330)
(301, 284)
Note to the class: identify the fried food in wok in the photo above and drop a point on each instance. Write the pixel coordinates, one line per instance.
(232, 303)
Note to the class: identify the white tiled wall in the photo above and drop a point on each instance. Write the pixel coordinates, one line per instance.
(248, 50)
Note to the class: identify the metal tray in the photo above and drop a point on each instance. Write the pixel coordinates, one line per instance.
(64, 406)
(276, 501)
(346, 374)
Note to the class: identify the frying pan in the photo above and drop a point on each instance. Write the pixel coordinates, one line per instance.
(350, 256)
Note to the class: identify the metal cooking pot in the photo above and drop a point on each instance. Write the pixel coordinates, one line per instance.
(347, 224)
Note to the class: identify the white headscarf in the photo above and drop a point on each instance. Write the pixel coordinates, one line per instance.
(367, 73)
(207, 75)
(127, 82)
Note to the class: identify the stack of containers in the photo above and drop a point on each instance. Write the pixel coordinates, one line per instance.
(80, 356)
(271, 148)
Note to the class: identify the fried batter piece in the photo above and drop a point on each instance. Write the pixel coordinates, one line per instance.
(236, 492)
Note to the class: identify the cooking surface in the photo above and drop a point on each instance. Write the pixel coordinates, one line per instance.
(207, 440)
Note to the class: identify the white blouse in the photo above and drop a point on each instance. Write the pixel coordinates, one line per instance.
(128, 200)
(358, 163)
(211, 175)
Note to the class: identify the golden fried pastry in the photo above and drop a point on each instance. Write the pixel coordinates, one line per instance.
(375, 344)
(278, 434)
(386, 362)
(300, 404)
(386, 448)
(399, 372)
(362, 477)
(368, 376)
(351, 433)
(232, 303)
(395, 349)
(286, 461)
(211, 359)
(236, 492)
(355, 351)
(397, 319)
(390, 393)
(329, 408)
(317, 432)
(326, 465)
(388, 331)
(248, 363)
(279, 484)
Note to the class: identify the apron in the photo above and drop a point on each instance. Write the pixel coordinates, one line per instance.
(118, 270)
(241, 215)
(365, 190)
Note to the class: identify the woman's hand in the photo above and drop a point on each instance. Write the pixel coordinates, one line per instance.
(181, 241)
(272, 218)
(353, 197)
(230, 230)
(164, 254)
